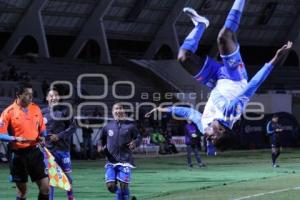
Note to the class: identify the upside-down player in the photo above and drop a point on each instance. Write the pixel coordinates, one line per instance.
(230, 89)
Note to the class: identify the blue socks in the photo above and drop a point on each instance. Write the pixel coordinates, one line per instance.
(191, 42)
(234, 17)
(122, 194)
(119, 194)
(238, 5)
(70, 193)
(51, 193)
(125, 194)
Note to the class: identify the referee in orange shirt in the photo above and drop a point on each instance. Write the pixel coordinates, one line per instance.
(22, 124)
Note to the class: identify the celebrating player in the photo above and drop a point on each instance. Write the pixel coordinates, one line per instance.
(228, 80)
(119, 137)
(60, 132)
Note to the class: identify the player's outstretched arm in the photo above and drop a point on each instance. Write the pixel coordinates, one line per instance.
(136, 139)
(281, 53)
(159, 109)
(102, 140)
(65, 133)
(8, 138)
(262, 74)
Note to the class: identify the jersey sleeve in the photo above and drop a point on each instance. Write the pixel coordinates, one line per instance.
(234, 108)
(4, 122)
(103, 136)
(70, 126)
(136, 136)
(188, 114)
(270, 129)
(180, 111)
(256, 81)
(208, 73)
(70, 130)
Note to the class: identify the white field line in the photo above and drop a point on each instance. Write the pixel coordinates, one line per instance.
(266, 193)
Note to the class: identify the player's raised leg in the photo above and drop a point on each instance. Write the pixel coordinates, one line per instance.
(227, 40)
(186, 54)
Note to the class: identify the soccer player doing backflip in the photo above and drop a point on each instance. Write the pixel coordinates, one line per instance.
(228, 80)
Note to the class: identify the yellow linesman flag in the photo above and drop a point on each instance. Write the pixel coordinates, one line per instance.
(56, 175)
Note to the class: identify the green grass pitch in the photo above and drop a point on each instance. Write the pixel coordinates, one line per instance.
(234, 175)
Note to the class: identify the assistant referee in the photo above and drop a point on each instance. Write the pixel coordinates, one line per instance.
(22, 124)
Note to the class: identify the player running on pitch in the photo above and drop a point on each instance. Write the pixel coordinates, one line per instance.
(59, 138)
(118, 139)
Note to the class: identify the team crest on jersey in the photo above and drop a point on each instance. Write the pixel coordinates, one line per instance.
(110, 133)
(232, 62)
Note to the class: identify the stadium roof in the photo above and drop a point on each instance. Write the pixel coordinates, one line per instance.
(263, 22)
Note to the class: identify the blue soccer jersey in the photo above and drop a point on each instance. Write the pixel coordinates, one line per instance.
(227, 79)
(188, 114)
(229, 98)
(226, 103)
(225, 92)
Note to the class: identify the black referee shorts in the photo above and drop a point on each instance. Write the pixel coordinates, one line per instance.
(27, 161)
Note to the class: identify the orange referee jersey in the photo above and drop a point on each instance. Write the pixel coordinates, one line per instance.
(19, 122)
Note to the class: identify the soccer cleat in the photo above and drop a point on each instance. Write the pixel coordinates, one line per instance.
(201, 165)
(275, 166)
(3, 159)
(196, 19)
(133, 198)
